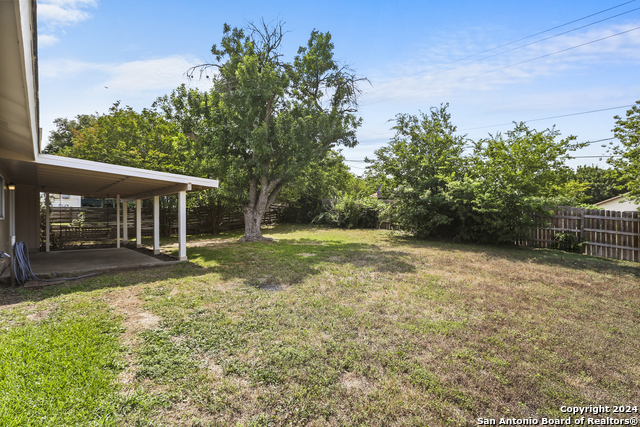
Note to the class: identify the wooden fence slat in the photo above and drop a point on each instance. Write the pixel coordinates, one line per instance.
(198, 220)
(610, 234)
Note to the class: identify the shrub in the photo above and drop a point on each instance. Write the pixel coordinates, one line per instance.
(567, 242)
(467, 210)
(351, 212)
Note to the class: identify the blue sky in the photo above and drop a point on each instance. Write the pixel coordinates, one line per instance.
(416, 54)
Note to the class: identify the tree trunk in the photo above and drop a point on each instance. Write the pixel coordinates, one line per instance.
(216, 211)
(252, 222)
(259, 201)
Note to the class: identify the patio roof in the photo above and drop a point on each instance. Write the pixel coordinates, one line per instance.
(56, 174)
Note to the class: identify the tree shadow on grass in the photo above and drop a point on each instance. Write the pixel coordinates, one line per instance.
(10, 295)
(290, 261)
(514, 253)
(266, 265)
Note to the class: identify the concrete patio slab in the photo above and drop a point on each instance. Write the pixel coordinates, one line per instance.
(84, 261)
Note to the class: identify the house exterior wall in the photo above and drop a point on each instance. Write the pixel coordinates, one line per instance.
(28, 216)
(616, 205)
(63, 200)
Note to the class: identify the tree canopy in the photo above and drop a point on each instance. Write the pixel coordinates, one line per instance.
(487, 191)
(266, 119)
(124, 137)
(423, 151)
(627, 166)
(528, 161)
(62, 136)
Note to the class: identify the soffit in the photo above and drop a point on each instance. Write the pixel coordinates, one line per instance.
(16, 121)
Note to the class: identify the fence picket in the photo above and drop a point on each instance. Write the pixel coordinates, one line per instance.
(198, 221)
(609, 234)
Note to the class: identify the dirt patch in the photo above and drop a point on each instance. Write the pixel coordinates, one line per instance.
(306, 255)
(211, 365)
(135, 318)
(266, 284)
(355, 382)
(40, 315)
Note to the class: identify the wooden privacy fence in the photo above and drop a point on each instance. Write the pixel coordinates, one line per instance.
(74, 224)
(609, 234)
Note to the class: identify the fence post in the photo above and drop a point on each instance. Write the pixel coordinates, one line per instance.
(582, 210)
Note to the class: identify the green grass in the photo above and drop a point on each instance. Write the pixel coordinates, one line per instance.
(343, 327)
(60, 371)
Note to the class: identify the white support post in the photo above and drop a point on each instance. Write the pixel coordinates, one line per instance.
(118, 221)
(47, 207)
(138, 223)
(156, 225)
(12, 215)
(182, 225)
(125, 223)
(12, 231)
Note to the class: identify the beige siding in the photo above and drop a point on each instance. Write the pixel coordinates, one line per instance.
(28, 216)
(619, 205)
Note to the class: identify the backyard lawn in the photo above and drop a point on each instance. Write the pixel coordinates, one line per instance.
(325, 327)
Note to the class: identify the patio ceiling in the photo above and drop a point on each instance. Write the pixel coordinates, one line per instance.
(64, 175)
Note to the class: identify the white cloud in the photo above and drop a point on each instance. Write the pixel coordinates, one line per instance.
(436, 76)
(59, 13)
(134, 77)
(47, 40)
(150, 75)
(55, 14)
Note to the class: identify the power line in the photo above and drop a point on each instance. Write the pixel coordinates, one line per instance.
(544, 39)
(528, 44)
(552, 117)
(516, 64)
(471, 146)
(542, 32)
(547, 55)
(592, 157)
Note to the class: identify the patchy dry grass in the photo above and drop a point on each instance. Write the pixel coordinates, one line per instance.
(327, 327)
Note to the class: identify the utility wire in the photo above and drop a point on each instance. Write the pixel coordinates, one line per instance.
(525, 45)
(516, 64)
(552, 117)
(541, 32)
(591, 157)
(541, 40)
(471, 146)
(547, 55)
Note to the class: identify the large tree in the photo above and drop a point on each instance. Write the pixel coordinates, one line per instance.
(128, 138)
(424, 150)
(602, 184)
(266, 119)
(530, 162)
(62, 136)
(627, 151)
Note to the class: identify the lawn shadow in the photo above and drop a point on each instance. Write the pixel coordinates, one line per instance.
(265, 265)
(514, 253)
(11, 295)
(288, 261)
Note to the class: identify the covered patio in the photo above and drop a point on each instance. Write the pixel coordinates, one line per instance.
(56, 174)
(25, 172)
(73, 263)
